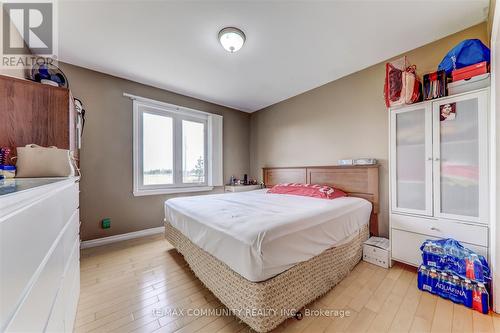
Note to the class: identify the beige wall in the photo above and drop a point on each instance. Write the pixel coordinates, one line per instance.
(106, 155)
(345, 118)
(19, 73)
(489, 21)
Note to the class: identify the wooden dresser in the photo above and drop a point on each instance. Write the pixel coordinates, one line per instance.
(37, 113)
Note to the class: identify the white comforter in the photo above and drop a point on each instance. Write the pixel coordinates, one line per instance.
(259, 235)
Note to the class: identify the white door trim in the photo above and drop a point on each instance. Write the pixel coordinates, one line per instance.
(494, 147)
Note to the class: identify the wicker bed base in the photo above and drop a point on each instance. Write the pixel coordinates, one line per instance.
(269, 300)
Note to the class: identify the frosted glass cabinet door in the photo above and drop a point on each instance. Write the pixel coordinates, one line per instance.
(411, 159)
(460, 157)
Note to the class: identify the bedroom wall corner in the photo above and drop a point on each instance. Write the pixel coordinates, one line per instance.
(346, 118)
(106, 154)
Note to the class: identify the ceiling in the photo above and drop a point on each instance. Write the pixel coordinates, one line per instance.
(291, 47)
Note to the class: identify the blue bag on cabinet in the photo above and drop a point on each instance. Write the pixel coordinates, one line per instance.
(466, 53)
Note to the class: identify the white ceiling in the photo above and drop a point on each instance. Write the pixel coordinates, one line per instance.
(291, 47)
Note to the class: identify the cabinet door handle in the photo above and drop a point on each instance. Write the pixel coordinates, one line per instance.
(434, 229)
(436, 159)
(429, 158)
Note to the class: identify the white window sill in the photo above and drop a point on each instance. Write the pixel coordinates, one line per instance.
(141, 193)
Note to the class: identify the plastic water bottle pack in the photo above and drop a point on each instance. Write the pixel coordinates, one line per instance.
(456, 273)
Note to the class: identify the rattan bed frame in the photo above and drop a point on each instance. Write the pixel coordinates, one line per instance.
(264, 305)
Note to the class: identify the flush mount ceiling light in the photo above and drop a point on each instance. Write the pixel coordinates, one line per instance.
(231, 39)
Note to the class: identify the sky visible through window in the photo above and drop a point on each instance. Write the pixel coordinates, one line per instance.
(158, 155)
(193, 152)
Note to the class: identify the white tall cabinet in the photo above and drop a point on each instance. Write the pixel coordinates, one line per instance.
(439, 174)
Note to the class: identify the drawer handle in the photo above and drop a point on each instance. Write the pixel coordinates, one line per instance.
(434, 229)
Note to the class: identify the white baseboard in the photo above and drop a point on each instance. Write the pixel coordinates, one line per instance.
(122, 237)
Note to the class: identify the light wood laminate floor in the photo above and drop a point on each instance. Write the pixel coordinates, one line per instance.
(126, 287)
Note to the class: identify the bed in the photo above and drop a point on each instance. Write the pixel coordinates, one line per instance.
(266, 256)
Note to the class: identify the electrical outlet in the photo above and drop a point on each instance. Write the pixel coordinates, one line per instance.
(106, 223)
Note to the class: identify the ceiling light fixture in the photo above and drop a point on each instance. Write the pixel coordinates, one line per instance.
(231, 39)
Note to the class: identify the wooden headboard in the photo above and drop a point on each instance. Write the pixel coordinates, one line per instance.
(356, 181)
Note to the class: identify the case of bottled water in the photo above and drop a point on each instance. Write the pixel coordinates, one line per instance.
(456, 273)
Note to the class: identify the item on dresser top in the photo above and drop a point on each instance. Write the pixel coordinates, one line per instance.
(345, 162)
(469, 71)
(434, 85)
(462, 86)
(365, 161)
(35, 161)
(377, 251)
(7, 171)
(49, 72)
(4, 155)
(466, 53)
(49, 82)
(7, 186)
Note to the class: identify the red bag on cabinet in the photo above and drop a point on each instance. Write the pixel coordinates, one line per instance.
(412, 85)
(402, 85)
(393, 87)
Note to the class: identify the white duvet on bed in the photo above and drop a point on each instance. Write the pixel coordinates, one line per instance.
(259, 235)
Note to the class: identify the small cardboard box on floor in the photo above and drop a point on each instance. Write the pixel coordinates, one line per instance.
(377, 251)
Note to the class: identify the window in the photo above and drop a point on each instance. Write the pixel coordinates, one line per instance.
(176, 149)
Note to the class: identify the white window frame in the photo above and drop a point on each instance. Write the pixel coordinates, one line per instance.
(213, 147)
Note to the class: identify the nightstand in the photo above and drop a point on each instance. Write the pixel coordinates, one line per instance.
(241, 188)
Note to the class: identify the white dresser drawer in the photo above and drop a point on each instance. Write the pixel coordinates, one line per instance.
(35, 311)
(440, 228)
(406, 246)
(71, 235)
(26, 236)
(56, 320)
(71, 287)
(64, 310)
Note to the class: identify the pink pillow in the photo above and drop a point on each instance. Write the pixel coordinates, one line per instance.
(308, 190)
